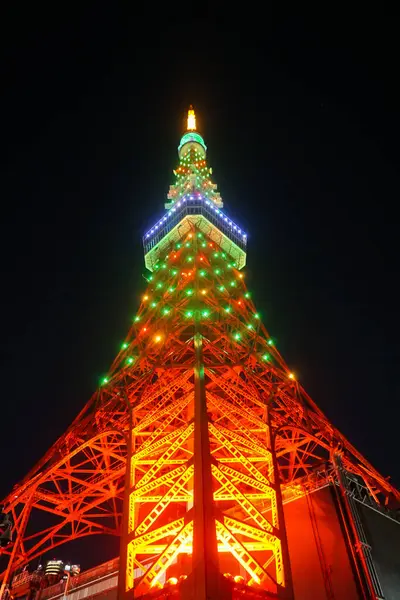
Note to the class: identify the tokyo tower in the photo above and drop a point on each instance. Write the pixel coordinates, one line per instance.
(200, 449)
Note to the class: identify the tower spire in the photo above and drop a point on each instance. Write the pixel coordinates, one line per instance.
(191, 119)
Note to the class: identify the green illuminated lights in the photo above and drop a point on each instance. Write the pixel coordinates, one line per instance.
(247, 295)
(205, 313)
(124, 346)
(190, 258)
(189, 292)
(129, 360)
(265, 357)
(159, 285)
(178, 246)
(174, 272)
(171, 290)
(249, 326)
(256, 316)
(221, 288)
(166, 310)
(237, 335)
(187, 244)
(104, 380)
(189, 314)
(203, 245)
(202, 273)
(270, 342)
(136, 319)
(228, 309)
(232, 283)
(217, 271)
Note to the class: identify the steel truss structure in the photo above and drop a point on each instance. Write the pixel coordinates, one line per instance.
(215, 430)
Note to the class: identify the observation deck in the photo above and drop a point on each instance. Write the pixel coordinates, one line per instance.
(194, 202)
(195, 209)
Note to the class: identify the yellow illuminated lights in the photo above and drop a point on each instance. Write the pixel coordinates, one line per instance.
(191, 120)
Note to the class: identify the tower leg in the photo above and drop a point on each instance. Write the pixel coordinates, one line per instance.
(21, 526)
(123, 554)
(205, 582)
(287, 592)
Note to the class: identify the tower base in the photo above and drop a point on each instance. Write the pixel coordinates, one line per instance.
(225, 590)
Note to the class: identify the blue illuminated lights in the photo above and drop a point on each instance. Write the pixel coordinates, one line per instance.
(228, 222)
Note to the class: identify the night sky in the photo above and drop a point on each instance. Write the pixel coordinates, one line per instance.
(301, 121)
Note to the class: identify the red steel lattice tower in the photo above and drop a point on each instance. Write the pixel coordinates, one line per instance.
(216, 432)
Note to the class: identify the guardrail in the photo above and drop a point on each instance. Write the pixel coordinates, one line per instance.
(86, 577)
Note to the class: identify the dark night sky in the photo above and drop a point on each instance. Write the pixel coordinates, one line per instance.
(302, 124)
